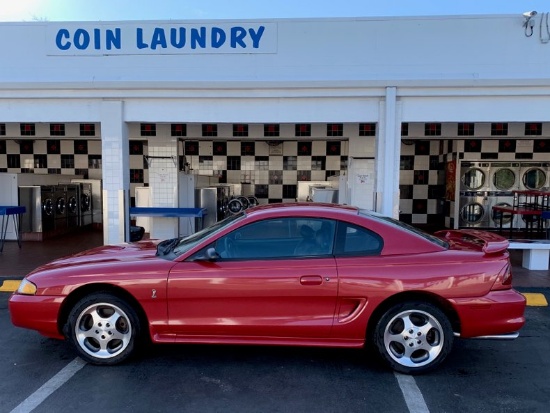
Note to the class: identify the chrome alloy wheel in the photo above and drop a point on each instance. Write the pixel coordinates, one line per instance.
(414, 338)
(103, 330)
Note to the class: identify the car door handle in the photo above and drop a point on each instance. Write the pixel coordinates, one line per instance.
(311, 280)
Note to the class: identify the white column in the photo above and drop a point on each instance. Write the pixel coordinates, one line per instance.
(388, 151)
(116, 173)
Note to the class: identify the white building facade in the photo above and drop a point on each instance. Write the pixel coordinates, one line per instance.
(389, 102)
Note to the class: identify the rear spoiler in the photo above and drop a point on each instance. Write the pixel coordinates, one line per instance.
(490, 243)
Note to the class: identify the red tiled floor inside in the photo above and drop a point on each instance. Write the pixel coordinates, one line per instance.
(16, 262)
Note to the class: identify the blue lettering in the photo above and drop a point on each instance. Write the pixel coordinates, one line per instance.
(113, 39)
(178, 44)
(139, 39)
(63, 34)
(237, 36)
(81, 39)
(202, 37)
(97, 39)
(198, 38)
(218, 37)
(159, 39)
(256, 36)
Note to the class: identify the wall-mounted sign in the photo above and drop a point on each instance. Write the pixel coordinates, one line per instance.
(78, 39)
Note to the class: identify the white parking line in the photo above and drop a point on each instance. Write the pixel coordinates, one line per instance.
(411, 393)
(34, 400)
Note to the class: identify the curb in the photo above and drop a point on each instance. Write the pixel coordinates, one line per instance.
(9, 286)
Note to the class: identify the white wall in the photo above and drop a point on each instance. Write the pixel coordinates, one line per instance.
(390, 50)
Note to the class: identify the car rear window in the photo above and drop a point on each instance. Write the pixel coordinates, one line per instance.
(404, 226)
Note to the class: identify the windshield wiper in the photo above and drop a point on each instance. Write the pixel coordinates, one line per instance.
(166, 246)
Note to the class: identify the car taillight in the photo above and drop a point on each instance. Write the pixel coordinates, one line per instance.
(504, 279)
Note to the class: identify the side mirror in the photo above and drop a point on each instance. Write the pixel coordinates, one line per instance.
(209, 255)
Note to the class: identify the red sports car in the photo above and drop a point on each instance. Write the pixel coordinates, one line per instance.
(288, 274)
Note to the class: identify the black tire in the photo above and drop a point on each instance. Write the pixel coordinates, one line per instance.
(103, 328)
(413, 337)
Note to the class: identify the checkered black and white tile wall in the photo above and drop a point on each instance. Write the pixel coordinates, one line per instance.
(422, 182)
(273, 157)
(239, 153)
(426, 147)
(50, 148)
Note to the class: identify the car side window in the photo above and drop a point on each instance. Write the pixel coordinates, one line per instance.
(354, 240)
(279, 238)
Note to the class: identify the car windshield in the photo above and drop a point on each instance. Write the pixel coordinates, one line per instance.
(172, 248)
(405, 226)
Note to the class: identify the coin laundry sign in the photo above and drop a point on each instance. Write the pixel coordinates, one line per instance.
(162, 39)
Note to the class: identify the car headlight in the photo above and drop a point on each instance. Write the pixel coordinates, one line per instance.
(26, 287)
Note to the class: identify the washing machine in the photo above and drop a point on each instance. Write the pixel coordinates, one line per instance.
(47, 196)
(475, 176)
(73, 205)
(60, 208)
(474, 209)
(85, 216)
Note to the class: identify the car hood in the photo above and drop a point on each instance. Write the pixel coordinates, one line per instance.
(107, 254)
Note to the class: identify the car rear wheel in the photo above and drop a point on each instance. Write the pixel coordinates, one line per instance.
(103, 328)
(413, 337)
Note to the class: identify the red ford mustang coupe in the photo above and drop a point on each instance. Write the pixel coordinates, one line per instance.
(288, 274)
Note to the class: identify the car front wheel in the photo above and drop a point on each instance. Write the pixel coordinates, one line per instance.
(413, 337)
(103, 328)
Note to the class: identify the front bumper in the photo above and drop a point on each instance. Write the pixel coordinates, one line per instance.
(36, 312)
(497, 315)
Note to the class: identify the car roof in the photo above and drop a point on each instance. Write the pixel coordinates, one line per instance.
(303, 207)
(397, 239)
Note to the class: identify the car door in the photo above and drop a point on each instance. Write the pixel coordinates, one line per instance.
(260, 286)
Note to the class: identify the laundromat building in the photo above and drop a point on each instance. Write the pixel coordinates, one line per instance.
(429, 119)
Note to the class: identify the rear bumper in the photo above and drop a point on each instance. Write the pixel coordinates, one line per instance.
(36, 313)
(497, 315)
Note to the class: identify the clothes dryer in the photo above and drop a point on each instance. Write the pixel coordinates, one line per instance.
(60, 209)
(47, 197)
(85, 205)
(73, 205)
(474, 210)
(504, 176)
(502, 199)
(533, 176)
(474, 176)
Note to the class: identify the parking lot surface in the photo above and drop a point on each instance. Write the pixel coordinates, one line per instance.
(44, 375)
